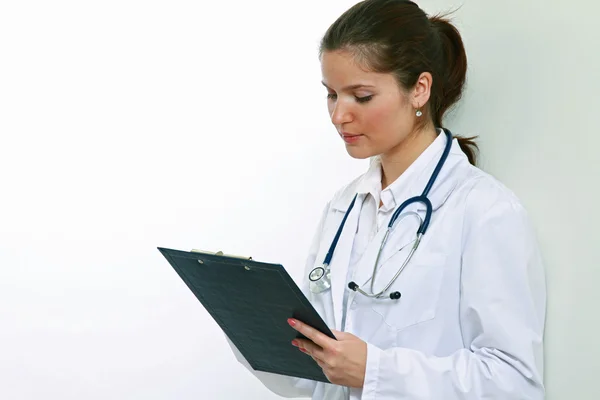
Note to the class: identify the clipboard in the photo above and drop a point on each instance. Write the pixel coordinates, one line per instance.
(251, 302)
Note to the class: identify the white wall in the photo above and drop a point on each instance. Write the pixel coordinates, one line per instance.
(127, 125)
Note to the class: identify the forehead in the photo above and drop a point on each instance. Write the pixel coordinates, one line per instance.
(340, 68)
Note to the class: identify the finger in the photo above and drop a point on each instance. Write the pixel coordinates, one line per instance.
(302, 349)
(339, 335)
(311, 333)
(318, 360)
(312, 349)
(303, 343)
(320, 363)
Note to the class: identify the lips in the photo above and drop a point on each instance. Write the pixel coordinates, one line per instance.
(351, 138)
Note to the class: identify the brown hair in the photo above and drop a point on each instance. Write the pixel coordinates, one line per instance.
(396, 36)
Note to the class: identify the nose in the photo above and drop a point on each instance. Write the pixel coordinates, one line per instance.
(340, 114)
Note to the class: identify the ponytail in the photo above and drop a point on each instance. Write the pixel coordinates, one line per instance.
(452, 74)
(469, 147)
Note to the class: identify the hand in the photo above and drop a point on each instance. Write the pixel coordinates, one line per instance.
(343, 361)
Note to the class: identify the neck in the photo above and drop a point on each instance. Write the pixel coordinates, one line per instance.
(399, 158)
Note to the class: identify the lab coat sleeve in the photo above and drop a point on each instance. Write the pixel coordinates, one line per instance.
(282, 385)
(502, 314)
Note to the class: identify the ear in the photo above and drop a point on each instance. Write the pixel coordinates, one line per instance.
(422, 90)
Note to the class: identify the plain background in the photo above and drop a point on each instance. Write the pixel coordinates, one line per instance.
(128, 125)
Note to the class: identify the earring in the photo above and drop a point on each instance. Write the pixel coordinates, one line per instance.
(418, 113)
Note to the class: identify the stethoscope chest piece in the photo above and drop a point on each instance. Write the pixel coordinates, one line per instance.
(320, 279)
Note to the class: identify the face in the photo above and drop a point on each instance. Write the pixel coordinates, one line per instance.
(369, 110)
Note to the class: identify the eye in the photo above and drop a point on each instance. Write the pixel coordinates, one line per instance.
(363, 99)
(331, 96)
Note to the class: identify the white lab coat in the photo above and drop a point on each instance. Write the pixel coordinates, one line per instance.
(470, 322)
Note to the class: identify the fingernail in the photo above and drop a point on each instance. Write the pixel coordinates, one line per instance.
(295, 343)
(291, 322)
(302, 350)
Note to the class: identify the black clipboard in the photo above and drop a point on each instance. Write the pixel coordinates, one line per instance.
(251, 302)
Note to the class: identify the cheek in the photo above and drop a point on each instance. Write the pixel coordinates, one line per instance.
(383, 121)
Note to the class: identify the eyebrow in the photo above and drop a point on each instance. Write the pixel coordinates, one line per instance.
(351, 87)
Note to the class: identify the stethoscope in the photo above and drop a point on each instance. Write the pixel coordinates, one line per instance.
(320, 277)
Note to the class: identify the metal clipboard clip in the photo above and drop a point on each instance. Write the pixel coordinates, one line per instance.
(220, 253)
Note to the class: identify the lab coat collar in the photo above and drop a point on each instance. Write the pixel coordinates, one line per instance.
(411, 182)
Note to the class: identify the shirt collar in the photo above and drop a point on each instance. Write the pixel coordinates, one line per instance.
(370, 183)
(411, 182)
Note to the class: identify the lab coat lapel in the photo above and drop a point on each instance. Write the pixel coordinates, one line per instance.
(341, 258)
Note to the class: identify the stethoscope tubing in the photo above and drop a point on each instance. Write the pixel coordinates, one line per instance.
(420, 232)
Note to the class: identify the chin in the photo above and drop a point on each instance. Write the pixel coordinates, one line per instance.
(360, 153)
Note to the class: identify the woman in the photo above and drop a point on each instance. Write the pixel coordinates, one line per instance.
(464, 318)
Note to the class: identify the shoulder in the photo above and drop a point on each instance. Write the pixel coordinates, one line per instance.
(487, 200)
